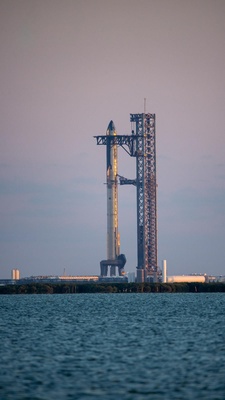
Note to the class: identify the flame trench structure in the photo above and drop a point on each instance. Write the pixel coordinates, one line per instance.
(141, 144)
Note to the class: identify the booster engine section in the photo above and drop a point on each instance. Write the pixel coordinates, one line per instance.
(113, 239)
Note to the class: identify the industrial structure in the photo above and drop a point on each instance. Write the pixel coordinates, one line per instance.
(164, 271)
(114, 258)
(15, 274)
(141, 144)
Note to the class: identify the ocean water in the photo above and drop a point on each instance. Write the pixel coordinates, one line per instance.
(112, 346)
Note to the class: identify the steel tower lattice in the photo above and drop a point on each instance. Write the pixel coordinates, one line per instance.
(144, 130)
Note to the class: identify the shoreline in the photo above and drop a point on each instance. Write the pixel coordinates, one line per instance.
(76, 288)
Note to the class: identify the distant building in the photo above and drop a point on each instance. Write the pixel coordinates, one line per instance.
(186, 278)
(82, 278)
(131, 277)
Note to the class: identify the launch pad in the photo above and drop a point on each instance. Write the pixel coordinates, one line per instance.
(119, 263)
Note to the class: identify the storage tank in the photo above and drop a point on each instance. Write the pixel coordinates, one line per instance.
(164, 271)
(186, 278)
(15, 274)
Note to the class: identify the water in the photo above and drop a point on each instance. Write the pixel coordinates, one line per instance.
(112, 346)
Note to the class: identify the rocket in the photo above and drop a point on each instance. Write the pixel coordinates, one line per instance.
(113, 237)
(114, 258)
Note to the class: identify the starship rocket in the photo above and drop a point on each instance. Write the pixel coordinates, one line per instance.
(113, 238)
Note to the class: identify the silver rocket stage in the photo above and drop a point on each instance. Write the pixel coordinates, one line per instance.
(114, 258)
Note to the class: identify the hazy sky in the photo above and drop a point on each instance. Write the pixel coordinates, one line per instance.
(67, 68)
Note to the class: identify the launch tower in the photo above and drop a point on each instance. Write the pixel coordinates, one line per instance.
(145, 153)
(141, 144)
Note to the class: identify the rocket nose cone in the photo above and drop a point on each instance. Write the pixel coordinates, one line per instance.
(111, 126)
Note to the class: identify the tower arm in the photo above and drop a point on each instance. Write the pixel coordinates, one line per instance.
(125, 181)
(120, 140)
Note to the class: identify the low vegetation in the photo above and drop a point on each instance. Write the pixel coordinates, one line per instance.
(61, 288)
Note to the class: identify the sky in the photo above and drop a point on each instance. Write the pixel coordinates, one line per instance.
(68, 68)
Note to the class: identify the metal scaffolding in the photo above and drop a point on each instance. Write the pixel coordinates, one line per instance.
(144, 130)
(141, 144)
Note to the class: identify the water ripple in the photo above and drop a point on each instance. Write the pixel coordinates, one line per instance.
(112, 346)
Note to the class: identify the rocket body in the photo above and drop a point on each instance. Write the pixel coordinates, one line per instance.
(113, 239)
